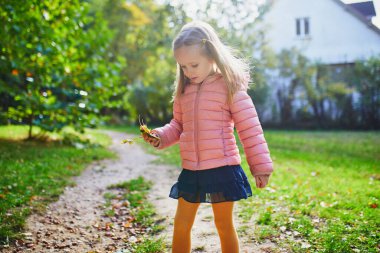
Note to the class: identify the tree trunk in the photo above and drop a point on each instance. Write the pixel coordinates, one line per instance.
(30, 127)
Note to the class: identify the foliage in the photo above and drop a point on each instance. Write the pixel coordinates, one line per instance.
(295, 69)
(80, 62)
(54, 68)
(366, 81)
(150, 85)
(143, 33)
(310, 94)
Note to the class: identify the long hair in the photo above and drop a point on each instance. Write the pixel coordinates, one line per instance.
(234, 70)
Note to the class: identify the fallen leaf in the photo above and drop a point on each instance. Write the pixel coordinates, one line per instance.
(33, 198)
(127, 225)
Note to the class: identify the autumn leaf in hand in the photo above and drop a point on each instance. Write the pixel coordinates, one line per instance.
(145, 131)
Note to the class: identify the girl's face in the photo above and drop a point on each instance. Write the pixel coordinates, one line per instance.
(194, 64)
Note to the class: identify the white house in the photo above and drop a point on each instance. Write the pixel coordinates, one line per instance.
(328, 31)
(325, 31)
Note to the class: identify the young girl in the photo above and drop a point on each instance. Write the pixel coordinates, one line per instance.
(210, 99)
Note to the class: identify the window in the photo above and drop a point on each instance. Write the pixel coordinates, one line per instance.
(306, 25)
(302, 26)
(298, 24)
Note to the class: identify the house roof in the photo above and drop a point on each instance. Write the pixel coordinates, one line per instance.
(367, 9)
(358, 15)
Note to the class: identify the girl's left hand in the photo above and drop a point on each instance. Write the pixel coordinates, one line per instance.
(261, 181)
(152, 141)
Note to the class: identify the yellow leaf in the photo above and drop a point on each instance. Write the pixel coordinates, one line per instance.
(129, 141)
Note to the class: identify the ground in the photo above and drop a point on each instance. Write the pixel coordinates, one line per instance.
(74, 222)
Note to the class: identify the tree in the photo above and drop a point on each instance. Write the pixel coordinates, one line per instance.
(299, 80)
(53, 71)
(365, 78)
(143, 34)
(294, 70)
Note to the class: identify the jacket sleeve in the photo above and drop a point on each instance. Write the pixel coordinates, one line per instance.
(251, 134)
(169, 134)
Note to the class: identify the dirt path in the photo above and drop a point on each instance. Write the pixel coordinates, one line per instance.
(69, 225)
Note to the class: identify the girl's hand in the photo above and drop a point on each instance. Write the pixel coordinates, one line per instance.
(152, 141)
(261, 181)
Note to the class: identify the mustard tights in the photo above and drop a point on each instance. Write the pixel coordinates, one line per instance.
(184, 220)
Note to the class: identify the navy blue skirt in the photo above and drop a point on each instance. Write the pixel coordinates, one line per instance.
(227, 183)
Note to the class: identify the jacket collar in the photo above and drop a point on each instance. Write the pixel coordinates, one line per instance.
(209, 79)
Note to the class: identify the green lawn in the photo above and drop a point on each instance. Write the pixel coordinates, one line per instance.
(324, 193)
(325, 190)
(35, 173)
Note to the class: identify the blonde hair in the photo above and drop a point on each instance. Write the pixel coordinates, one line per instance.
(234, 70)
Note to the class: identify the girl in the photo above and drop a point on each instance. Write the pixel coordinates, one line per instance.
(210, 98)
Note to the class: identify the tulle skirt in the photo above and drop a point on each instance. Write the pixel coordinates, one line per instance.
(227, 183)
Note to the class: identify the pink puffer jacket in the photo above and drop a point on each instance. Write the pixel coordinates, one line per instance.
(203, 123)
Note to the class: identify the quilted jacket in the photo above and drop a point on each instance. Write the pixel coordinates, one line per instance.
(203, 124)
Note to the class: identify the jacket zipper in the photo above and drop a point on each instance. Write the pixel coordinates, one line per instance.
(196, 125)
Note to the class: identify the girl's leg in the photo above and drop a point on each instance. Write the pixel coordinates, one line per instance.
(223, 217)
(183, 222)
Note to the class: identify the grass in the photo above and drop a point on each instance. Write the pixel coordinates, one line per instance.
(34, 173)
(150, 246)
(324, 195)
(326, 187)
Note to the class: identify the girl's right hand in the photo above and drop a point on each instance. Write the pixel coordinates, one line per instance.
(152, 141)
(261, 181)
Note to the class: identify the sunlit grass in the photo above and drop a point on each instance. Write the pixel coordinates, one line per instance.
(20, 132)
(325, 187)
